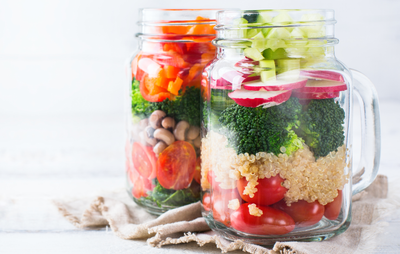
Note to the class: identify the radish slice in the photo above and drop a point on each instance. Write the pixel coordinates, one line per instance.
(319, 74)
(316, 96)
(220, 84)
(234, 77)
(277, 85)
(323, 86)
(263, 98)
(150, 67)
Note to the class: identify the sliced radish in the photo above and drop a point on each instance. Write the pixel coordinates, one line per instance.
(231, 79)
(321, 74)
(263, 98)
(277, 85)
(247, 65)
(220, 84)
(149, 66)
(315, 96)
(323, 86)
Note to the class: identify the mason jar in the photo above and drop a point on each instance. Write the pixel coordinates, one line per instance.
(277, 129)
(163, 119)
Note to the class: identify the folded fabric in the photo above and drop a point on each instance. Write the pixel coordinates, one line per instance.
(185, 224)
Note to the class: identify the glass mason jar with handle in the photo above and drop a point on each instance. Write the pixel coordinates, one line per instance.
(276, 129)
(163, 123)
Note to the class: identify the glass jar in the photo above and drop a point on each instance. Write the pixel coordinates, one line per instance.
(276, 129)
(163, 146)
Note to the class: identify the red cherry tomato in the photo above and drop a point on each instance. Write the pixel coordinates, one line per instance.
(144, 160)
(206, 202)
(332, 209)
(141, 186)
(197, 171)
(269, 190)
(303, 213)
(271, 222)
(220, 201)
(176, 165)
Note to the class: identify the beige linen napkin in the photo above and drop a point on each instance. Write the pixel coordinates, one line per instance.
(185, 224)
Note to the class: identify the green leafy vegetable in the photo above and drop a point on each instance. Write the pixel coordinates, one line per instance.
(253, 130)
(185, 107)
(162, 196)
(139, 105)
(322, 126)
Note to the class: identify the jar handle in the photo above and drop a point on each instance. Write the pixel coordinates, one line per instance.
(370, 132)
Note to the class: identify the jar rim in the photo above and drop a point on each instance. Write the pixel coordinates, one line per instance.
(299, 17)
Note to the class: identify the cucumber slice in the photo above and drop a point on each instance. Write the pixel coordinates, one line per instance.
(264, 17)
(258, 42)
(253, 54)
(270, 74)
(273, 55)
(288, 69)
(240, 33)
(278, 33)
(283, 18)
(314, 31)
(297, 33)
(253, 33)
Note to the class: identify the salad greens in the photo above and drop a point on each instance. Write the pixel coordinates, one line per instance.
(253, 130)
(162, 196)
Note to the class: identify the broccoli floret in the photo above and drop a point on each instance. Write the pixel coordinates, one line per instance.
(184, 107)
(322, 126)
(139, 105)
(253, 130)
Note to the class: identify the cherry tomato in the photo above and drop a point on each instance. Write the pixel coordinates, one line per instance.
(220, 201)
(176, 165)
(141, 186)
(197, 171)
(269, 190)
(303, 213)
(144, 160)
(271, 222)
(332, 209)
(206, 202)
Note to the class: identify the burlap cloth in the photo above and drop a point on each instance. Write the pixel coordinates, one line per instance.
(185, 224)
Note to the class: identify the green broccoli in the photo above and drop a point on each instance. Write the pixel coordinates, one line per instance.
(253, 130)
(321, 126)
(185, 107)
(139, 105)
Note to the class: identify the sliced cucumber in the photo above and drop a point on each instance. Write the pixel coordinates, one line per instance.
(268, 75)
(254, 33)
(297, 33)
(283, 18)
(273, 55)
(253, 53)
(317, 30)
(278, 33)
(259, 42)
(264, 17)
(288, 69)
